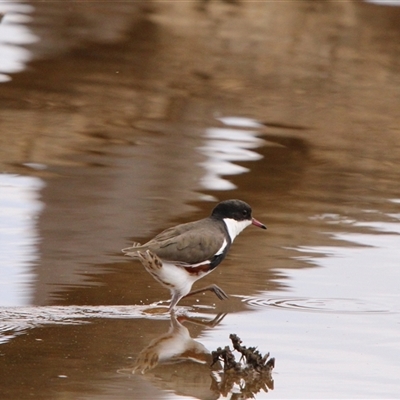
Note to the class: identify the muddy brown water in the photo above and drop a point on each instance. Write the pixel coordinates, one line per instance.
(119, 120)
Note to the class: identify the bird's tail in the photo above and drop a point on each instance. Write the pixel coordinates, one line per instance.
(133, 250)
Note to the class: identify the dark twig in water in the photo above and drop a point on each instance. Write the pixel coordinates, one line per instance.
(251, 373)
(253, 358)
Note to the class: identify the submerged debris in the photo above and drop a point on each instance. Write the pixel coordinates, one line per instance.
(251, 374)
(253, 358)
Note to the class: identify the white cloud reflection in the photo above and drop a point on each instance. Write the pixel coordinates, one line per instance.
(385, 2)
(19, 208)
(366, 268)
(224, 147)
(13, 35)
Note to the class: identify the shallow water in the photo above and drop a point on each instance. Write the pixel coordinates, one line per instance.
(120, 121)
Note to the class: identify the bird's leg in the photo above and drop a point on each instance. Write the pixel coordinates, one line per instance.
(212, 288)
(212, 323)
(174, 301)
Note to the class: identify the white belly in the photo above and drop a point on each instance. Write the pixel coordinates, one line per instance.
(175, 278)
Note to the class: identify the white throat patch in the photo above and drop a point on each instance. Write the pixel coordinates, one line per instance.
(235, 227)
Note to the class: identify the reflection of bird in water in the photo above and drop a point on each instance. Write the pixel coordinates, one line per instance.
(179, 256)
(174, 346)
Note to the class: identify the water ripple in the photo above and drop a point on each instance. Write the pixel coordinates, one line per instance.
(328, 305)
(17, 320)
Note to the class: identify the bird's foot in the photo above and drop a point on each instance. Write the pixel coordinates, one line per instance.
(212, 288)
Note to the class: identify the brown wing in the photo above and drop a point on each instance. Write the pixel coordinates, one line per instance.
(162, 239)
(185, 244)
